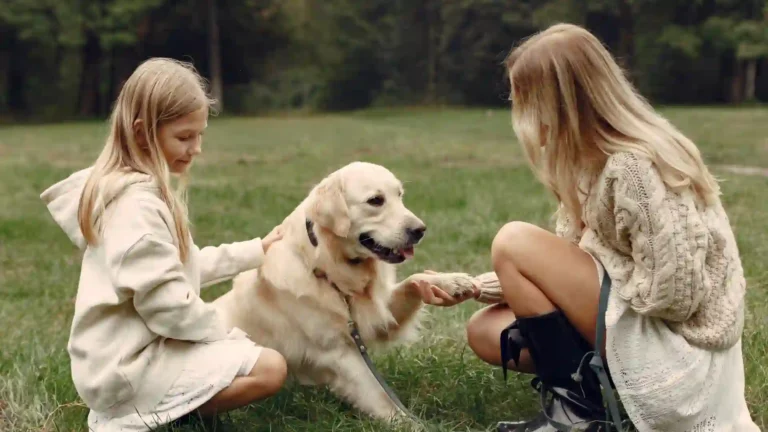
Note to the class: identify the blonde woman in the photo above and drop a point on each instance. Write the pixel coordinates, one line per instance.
(638, 206)
(145, 349)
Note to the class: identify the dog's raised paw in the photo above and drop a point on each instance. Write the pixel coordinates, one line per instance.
(455, 284)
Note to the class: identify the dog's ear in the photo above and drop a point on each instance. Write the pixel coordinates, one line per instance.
(328, 207)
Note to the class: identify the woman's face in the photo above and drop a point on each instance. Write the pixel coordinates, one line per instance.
(181, 140)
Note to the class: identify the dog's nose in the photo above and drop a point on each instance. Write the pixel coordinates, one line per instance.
(416, 234)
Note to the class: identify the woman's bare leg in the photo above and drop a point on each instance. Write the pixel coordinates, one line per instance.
(266, 378)
(540, 272)
(551, 288)
(537, 270)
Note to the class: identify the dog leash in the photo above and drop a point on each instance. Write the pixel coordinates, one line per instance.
(354, 333)
(357, 339)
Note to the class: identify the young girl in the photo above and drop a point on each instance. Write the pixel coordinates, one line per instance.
(638, 205)
(144, 348)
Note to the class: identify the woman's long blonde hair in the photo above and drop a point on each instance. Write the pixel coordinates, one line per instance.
(572, 106)
(160, 90)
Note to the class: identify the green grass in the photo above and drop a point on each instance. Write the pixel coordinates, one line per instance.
(464, 176)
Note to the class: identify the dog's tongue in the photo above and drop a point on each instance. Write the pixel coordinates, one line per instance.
(408, 252)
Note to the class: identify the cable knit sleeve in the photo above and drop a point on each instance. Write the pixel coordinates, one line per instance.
(666, 242)
(490, 289)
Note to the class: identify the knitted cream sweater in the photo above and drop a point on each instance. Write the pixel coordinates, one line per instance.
(666, 256)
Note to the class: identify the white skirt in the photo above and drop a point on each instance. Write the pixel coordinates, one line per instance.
(667, 385)
(211, 369)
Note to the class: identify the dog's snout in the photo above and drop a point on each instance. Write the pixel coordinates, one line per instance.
(416, 234)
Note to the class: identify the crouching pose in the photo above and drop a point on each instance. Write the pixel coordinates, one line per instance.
(638, 207)
(145, 349)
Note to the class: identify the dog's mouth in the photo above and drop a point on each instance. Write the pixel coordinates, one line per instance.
(386, 254)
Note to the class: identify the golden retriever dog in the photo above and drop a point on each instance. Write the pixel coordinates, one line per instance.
(342, 242)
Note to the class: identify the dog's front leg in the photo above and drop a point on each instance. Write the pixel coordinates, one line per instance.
(405, 303)
(353, 382)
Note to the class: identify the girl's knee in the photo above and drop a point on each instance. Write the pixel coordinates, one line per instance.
(271, 371)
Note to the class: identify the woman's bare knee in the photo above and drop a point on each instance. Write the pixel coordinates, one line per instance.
(510, 252)
(270, 372)
(513, 239)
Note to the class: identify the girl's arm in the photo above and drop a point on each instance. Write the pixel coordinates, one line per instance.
(162, 294)
(222, 263)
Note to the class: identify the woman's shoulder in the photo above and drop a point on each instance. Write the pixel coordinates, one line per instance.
(628, 164)
(632, 173)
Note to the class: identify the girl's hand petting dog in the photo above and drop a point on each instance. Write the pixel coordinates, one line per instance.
(274, 236)
(444, 289)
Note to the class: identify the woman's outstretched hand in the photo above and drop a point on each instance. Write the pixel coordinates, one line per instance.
(433, 295)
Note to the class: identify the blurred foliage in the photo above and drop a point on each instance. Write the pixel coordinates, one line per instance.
(63, 58)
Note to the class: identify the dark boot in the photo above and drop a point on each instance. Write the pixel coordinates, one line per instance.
(570, 392)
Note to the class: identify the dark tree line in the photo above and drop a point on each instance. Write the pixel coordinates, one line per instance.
(63, 58)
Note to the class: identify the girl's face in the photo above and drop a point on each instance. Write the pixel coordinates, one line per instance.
(181, 140)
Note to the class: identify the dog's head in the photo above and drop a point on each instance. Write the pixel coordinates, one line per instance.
(362, 206)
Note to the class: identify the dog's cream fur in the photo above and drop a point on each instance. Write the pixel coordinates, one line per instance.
(285, 306)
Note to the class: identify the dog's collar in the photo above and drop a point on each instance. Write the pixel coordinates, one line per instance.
(311, 233)
(313, 240)
(320, 274)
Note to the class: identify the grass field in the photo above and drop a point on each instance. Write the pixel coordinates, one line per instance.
(464, 177)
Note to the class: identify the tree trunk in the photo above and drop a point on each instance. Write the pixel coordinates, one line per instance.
(90, 77)
(58, 54)
(433, 39)
(737, 83)
(214, 56)
(750, 75)
(16, 75)
(143, 36)
(627, 35)
(112, 84)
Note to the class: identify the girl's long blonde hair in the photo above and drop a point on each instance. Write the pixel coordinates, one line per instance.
(572, 106)
(160, 90)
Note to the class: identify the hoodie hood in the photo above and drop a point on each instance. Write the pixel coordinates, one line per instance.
(63, 199)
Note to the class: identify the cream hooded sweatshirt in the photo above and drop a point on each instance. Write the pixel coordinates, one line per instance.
(138, 314)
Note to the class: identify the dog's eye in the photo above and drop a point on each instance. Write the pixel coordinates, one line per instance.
(376, 201)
